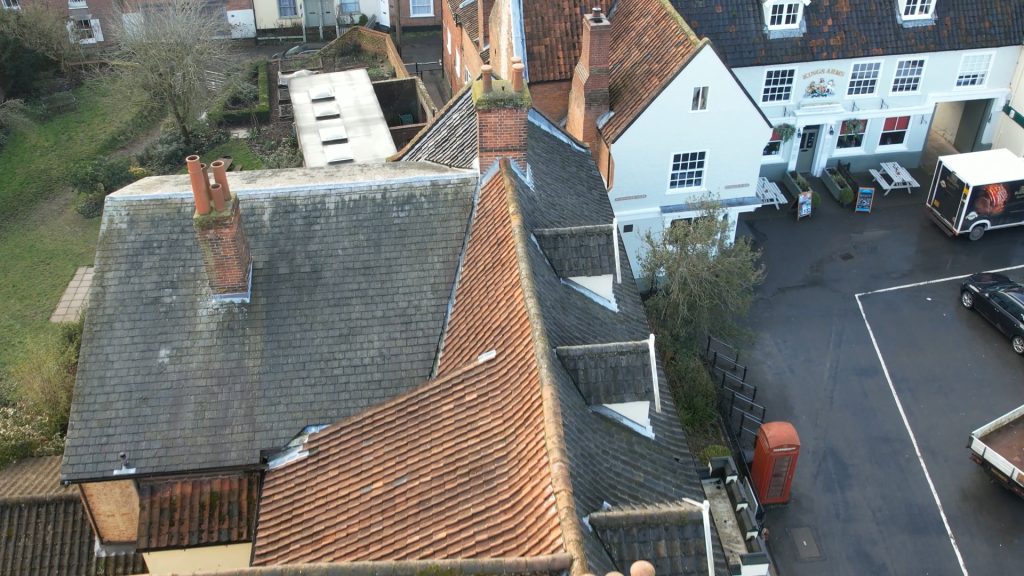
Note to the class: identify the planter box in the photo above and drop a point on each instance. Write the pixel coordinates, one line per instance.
(834, 189)
(789, 181)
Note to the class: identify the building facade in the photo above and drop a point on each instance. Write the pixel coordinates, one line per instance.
(1010, 124)
(868, 81)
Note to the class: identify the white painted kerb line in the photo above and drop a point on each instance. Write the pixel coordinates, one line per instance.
(906, 423)
(938, 281)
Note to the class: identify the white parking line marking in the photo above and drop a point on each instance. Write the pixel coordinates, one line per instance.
(940, 280)
(910, 431)
(899, 404)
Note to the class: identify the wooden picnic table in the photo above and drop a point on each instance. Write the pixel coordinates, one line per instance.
(899, 177)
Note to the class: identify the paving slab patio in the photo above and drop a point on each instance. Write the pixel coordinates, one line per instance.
(75, 296)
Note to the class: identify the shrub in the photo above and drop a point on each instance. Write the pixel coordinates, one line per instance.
(695, 394)
(167, 154)
(713, 451)
(238, 104)
(95, 179)
(363, 19)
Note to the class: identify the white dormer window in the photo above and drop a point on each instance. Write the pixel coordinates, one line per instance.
(783, 14)
(916, 9)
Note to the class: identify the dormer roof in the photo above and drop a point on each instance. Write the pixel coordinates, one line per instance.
(852, 29)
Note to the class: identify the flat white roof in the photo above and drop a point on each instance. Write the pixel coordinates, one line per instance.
(987, 167)
(349, 97)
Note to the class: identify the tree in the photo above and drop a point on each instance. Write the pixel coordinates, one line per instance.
(33, 41)
(166, 49)
(702, 283)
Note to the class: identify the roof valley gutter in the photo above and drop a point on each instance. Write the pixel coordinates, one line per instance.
(554, 437)
(439, 350)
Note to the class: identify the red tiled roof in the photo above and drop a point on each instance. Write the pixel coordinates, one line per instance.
(651, 43)
(458, 468)
(196, 511)
(553, 29)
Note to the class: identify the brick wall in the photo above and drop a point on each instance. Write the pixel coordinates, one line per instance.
(102, 10)
(551, 98)
(588, 99)
(421, 22)
(225, 250)
(376, 42)
(114, 510)
(501, 132)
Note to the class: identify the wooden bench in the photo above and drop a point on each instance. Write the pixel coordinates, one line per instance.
(880, 178)
(769, 193)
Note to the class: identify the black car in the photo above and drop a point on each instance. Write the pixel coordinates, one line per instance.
(1000, 301)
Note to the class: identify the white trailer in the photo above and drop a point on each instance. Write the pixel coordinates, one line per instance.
(999, 448)
(977, 191)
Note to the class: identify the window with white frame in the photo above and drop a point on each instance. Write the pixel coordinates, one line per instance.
(784, 15)
(10, 4)
(466, 76)
(700, 98)
(349, 6)
(914, 9)
(778, 85)
(864, 78)
(908, 76)
(287, 9)
(774, 146)
(421, 8)
(687, 170)
(851, 133)
(973, 70)
(894, 130)
(83, 27)
(458, 63)
(448, 39)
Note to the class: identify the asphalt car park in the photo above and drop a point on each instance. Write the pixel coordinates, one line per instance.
(877, 408)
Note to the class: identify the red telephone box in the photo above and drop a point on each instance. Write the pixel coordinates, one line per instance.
(775, 455)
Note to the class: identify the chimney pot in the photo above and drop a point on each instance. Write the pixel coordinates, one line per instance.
(200, 192)
(218, 197)
(485, 74)
(596, 14)
(641, 568)
(220, 175)
(517, 77)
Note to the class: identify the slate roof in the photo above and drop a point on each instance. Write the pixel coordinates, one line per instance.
(44, 529)
(609, 373)
(352, 272)
(450, 138)
(638, 76)
(520, 455)
(669, 536)
(196, 511)
(852, 29)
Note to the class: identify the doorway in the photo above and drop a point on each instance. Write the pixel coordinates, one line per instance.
(972, 122)
(385, 13)
(808, 144)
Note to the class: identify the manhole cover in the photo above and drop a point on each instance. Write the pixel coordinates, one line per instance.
(806, 545)
(846, 256)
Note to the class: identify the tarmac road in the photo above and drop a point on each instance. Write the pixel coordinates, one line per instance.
(861, 503)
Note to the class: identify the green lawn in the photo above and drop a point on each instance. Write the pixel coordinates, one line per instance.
(242, 156)
(42, 239)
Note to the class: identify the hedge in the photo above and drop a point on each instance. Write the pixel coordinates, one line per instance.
(261, 111)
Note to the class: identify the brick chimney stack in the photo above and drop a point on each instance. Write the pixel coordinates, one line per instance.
(218, 224)
(501, 111)
(588, 98)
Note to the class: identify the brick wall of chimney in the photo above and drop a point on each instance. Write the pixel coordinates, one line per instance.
(502, 109)
(588, 98)
(225, 250)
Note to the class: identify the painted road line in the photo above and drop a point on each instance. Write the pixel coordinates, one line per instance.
(910, 431)
(937, 281)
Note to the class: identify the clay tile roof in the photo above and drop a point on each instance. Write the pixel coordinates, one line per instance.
(458, 468)
(467, 15)
(44, 530)
(639, 75)
(852, 29)
(33, 477)
(553, 29)
(196, 511)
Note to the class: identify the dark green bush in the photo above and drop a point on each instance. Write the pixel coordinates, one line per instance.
(95, 179)
(167, 154)
(258, 108)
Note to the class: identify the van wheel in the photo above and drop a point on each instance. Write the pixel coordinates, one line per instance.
(977, 232)
(1018, 344)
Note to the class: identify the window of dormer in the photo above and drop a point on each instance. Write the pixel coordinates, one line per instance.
(784, 15)
(916, 9)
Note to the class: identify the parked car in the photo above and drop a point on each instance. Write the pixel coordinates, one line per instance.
(1000, 301)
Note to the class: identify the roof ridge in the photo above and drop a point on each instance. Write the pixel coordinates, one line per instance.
(683, 24)
(547, 563)
(572, 229)
(71, 494)
(554, 435)
(679, 511)
(603, 346)
(397, 156)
